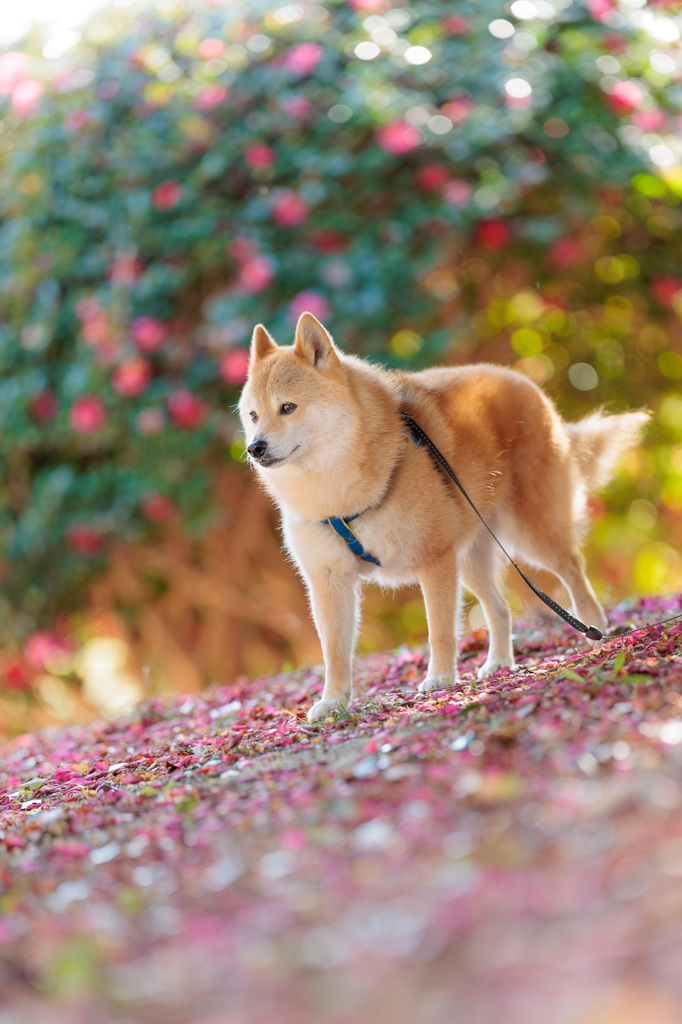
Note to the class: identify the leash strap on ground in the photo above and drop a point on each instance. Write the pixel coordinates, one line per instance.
(422, 440)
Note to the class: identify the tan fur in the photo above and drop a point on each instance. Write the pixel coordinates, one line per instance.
(343, 449)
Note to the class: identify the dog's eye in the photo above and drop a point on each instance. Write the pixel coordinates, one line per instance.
(254, 416)
(287, 408)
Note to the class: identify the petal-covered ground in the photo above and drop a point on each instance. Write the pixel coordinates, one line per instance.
(504, 851)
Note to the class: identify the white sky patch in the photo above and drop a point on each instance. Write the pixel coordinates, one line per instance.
(57, 15)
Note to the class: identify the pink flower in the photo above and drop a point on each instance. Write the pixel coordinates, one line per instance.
(234, 366)
(124, 271)
(131, 378)
(96, 330)
(458, 109)
(26, 95)
(432, 176)
(186, 410)
(83, 538)
(650, 120)
(167, 195)
(148, 333)
(43, 407)
(456, 25)
(156, 507)
(289, 209)
(150, 421)
(256, 274)
(304, 58)
(259, 156)
(45, 649)
(600, 10)
(565, 253)
(369, 5)
(296, 106)
(308, 302)
(77, 120)
(13, 69)
(88, 415)
(88, 308)
(211, 96)
(458, 192)
(625, 97)
(210, 48)
(398, 138)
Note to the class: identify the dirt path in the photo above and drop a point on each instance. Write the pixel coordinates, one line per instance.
(510, 851)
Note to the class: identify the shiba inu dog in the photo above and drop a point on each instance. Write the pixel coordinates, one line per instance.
(325, 435)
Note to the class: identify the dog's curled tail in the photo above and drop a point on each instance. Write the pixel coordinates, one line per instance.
(599, 441)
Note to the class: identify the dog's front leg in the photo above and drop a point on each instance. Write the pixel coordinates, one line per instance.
(439, 586)
(335, 605)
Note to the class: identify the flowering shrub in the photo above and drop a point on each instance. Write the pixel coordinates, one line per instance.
(435, 186)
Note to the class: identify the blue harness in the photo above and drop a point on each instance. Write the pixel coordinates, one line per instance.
(340, 526)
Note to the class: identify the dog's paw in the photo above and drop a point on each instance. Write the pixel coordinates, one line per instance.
(492, 664)
(322, 708)
(443, 682)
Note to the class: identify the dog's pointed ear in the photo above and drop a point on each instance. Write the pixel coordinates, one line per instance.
(313, 343)
(262, 345)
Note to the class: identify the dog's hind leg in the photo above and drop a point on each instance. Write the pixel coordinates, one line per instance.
(440, 588)
(563, 558)
(478, 569)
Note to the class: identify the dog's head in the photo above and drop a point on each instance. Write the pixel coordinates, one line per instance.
(295, 396)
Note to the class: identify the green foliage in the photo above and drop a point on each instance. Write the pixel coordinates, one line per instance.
(187, 171)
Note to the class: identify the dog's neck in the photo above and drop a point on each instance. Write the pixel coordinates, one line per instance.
(354, 470)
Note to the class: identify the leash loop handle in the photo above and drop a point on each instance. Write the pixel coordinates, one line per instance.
(424, 441)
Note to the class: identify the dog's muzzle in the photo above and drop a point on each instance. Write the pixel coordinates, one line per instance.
(257, 449)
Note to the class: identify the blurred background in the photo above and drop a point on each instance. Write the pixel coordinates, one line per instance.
(439, 183)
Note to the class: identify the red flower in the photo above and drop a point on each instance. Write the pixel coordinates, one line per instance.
(132, 377)
(304, 58)
(398, 138)
(256, 274)
(234, 366)
(167, 195)
(259, 156)
(432, 176)
(666, 289)
(289, 209)
(148, 333)
(186, 410)
(88, 415)
(456, 25)
(15, 674)
(493, 234)
(83, 538)
(157, 507)
(43, 407)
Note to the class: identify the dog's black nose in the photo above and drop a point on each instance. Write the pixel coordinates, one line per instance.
(257, 448)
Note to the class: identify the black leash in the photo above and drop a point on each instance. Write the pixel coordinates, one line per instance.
(441, 463)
